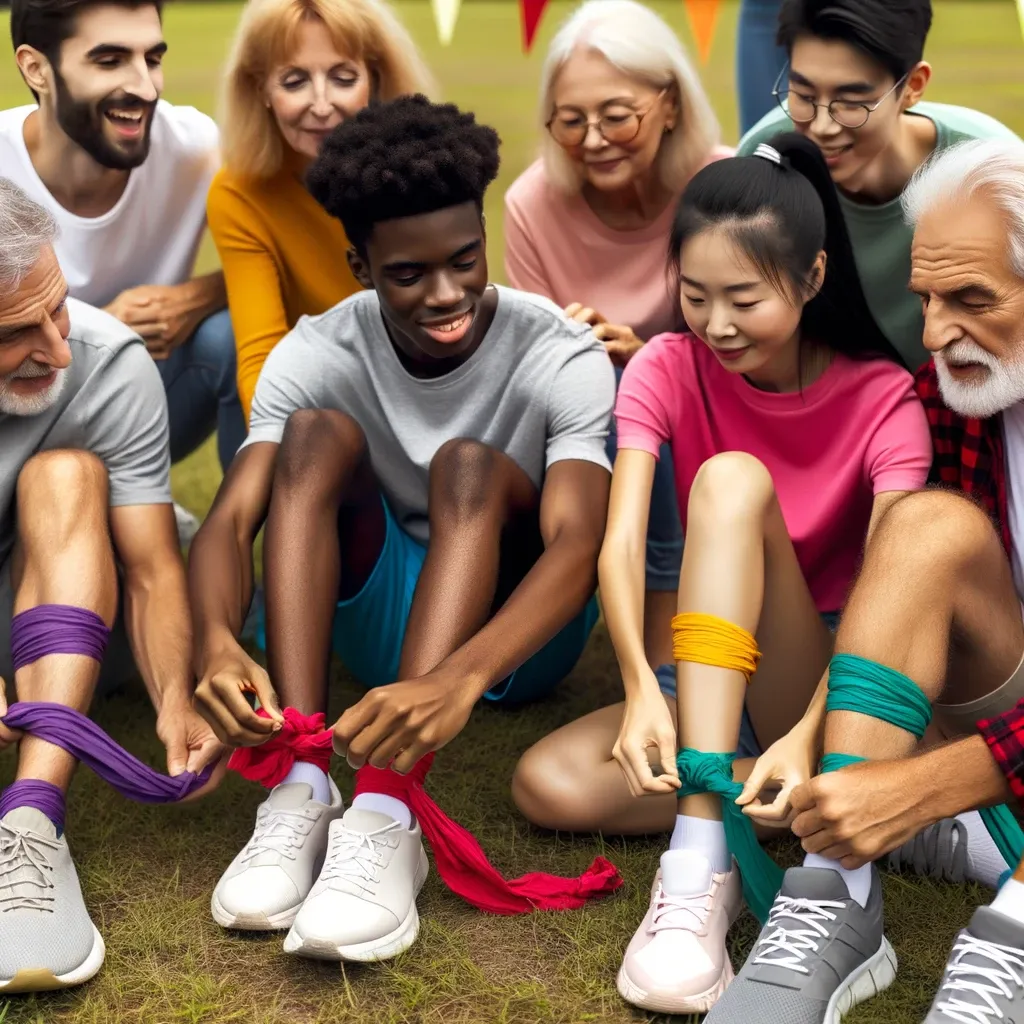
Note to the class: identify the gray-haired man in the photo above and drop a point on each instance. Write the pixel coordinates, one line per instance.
(85, 507)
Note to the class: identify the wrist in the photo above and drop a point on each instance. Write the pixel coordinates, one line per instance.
(217, 643)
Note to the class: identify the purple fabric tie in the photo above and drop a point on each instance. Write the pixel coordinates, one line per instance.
(87, 742)
(56, 629)
(43, 796)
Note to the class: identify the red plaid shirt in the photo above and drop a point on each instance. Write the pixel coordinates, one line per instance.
(970, 455)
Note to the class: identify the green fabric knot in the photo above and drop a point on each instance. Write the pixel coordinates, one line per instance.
(856, 684)
(702, 772)
(833, 762)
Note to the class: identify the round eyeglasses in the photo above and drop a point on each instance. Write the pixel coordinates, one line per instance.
(802, 109)
(618, 129)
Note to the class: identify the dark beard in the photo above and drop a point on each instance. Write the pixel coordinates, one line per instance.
(83, 124)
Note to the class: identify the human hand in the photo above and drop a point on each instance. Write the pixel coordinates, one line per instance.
(220, 699)
(161, 315)
(647, 725)
(862, 812)
(8, 737)
(620, 342)
(584, 314)
(787, 763)
(403, 722)
(191, 745)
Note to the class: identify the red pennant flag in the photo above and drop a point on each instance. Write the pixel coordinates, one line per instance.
(532, 11)
(702, 15)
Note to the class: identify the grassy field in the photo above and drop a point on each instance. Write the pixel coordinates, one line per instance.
(148, 873)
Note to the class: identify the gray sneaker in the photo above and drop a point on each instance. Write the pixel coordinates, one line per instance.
(939, 851)
(984, 979)
(47, 940)
(819, 954)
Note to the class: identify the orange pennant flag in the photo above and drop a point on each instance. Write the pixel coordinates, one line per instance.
(702, 15)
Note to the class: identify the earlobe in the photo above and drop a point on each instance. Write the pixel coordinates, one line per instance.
(358, 266)
(817, 278)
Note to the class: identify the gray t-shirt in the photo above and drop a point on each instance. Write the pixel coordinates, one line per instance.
(539, 388)
(112, 405)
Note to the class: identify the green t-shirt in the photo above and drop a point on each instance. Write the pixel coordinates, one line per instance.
(881, 237)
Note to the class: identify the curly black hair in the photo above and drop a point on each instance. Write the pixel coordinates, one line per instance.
(399, 159)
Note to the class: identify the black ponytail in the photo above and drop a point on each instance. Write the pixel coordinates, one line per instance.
(782, 212)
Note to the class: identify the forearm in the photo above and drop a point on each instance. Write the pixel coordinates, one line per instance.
(813, 719)
(157, 622)
(957, 777)
(621, 572)
(205, 295)
(550, 596)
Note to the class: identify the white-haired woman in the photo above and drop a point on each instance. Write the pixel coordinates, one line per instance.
(625, 125)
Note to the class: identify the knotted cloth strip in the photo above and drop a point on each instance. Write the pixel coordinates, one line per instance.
(709, 640)
(460, 861)
(56, 629)
(702, 772)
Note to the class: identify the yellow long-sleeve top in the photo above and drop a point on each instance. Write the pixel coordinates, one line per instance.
(283, 258)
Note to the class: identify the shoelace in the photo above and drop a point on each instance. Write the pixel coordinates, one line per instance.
(939, 851)
(986, 983)
(668, 910)
(795, 943)
(355, 856)
(278, 831)
(29, 853)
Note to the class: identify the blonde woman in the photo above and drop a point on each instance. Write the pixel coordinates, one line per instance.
(297, 69)
(624, 126)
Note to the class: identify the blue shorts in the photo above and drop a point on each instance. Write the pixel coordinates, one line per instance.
(748, 745)
(369, 628)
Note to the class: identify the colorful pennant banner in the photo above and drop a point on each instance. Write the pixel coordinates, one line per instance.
(531, 12)
(703, 16)
(446, 14)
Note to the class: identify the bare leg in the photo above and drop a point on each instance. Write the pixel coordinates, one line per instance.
(324, 499)
(476, 495)
(63, 555)
(935, 600)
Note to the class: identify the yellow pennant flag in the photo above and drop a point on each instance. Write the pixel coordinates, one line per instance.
(1020, 14)
(702, 15)
(446, 13)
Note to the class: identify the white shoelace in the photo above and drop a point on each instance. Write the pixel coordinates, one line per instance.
(1005, 974)
(28, 853)
(795, 943)
(280, 832)
(684, 912)
(355, 856)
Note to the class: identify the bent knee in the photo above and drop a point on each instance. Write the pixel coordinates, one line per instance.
(462, 474)
(552, 794)
(311, 435)
(64, 475)
(731, 482)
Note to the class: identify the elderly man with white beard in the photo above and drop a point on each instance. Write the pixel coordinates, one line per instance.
(85, 512)
(932, 640)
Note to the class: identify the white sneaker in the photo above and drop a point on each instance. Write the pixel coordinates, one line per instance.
(188, 524)
(363, 906)
(264, 886)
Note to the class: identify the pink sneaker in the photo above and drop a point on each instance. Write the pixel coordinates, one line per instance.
(677, 961)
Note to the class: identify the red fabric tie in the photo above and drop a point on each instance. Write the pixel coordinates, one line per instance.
(460, 861)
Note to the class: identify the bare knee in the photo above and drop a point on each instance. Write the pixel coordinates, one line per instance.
(62, 482)
(465, 477)
(551, 790)
(314, 442)
(730, 485)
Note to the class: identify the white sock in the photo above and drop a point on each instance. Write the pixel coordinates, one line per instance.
(382, 804)
(702, 835)
(1010, 900)
(985, 863)
(303, 771)
(858, 881)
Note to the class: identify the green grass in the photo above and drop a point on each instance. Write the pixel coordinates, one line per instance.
(148, 873)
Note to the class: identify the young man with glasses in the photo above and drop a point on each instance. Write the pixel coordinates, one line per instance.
(854, 86)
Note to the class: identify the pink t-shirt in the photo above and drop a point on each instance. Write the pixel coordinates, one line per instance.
(857, 431)
(557, 246)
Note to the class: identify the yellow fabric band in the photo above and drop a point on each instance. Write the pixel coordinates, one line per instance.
(709, 640)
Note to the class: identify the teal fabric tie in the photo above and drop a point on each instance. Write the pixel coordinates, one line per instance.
(856, 684)
(1005, 830)
(833, 762)
(701, 772)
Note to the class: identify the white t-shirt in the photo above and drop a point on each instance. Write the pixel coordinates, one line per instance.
(152, 233)
(1013, 436)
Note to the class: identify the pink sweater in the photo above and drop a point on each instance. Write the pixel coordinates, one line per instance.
(557, 246)
(855, 432)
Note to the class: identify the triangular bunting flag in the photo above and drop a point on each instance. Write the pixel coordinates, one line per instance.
(446, 13)
(1020, 12)
(532, 11)
(702, 15)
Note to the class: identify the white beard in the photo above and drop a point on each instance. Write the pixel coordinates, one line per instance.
(13, 404)
(1002, 388)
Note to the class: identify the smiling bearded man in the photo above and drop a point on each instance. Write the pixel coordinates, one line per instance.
(932, 633)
